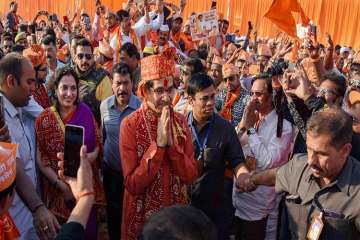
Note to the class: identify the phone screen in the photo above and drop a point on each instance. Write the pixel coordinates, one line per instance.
(74, 139)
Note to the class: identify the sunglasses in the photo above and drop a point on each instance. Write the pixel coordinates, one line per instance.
(88, 56)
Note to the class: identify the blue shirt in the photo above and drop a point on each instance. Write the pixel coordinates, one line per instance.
(21, 130)
(111, 118)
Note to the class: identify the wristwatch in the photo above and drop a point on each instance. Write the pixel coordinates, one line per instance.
(251, 131)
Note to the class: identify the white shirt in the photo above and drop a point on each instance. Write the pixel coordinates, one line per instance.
(20, 132)
(269, 152)
(140, 28)
(51, 72)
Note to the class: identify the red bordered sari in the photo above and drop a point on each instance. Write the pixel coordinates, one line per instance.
(50, 140)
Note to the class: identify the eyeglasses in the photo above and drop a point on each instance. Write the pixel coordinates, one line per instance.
(256, 93)
(88, 56)
(325, 91)
(161, 90)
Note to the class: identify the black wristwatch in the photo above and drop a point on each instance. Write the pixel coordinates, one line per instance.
(251, 131)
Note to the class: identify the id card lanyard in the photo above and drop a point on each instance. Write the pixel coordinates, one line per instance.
(202, 146)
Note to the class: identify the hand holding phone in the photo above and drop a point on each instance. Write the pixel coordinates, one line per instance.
(74, 139)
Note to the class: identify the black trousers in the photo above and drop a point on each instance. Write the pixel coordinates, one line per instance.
(250, 230)
(114, 193)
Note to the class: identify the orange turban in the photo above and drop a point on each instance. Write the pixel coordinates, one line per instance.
(36, 54)
(156, 67)
(230, 70)
(217, 60)
(7, 165)
(354, 97)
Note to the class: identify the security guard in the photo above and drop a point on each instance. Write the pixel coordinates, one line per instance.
(323, 187)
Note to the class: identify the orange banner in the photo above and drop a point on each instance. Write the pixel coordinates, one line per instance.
(338, 17)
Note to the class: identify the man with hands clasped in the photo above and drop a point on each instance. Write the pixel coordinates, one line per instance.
(156, 149)
(264, 147)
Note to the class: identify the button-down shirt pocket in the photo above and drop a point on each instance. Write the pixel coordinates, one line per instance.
(213, 159)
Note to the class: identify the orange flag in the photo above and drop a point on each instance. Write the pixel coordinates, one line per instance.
(280, 13)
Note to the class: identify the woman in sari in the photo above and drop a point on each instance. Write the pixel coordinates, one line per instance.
(50, 126)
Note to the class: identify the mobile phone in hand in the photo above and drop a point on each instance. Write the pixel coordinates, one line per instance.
(74, 139)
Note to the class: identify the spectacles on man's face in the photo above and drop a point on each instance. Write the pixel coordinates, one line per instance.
(88, 56)
(256, 93)
(162, 90)
(325, 91)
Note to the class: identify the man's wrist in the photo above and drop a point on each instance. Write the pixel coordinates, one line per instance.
(37, 207)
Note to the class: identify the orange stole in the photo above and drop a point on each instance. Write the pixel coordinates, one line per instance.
(8, 230)
(230, 99)
(119, 41)
(176, 99)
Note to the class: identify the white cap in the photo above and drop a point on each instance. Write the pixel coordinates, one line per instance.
(164, 28)
(344, 49)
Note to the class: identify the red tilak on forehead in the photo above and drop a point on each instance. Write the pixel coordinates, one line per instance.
(166, 83)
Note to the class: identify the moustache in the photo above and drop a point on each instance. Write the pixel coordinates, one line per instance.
(122, 93)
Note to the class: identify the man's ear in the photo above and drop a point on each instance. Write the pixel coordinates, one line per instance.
(10, 81)
(191, 100)
(346, 149)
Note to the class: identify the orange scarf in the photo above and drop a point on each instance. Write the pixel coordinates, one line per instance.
(8, 230)
(119, 41)
(176, 99)
(230, 99)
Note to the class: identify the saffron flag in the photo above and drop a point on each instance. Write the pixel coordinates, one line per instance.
(280, 13)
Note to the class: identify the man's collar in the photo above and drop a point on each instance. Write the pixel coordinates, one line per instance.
(9, 107)
(131, 104)
(344, 178)
(270, 115)
(209, 120)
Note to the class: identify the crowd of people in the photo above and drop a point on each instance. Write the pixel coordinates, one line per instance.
(229, 137)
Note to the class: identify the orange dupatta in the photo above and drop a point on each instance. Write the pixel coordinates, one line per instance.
(230, 99)
(119, 41)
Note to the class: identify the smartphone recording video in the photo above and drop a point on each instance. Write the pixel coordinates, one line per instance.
(74, 139)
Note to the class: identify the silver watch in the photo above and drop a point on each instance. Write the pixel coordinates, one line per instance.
(251, 131)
